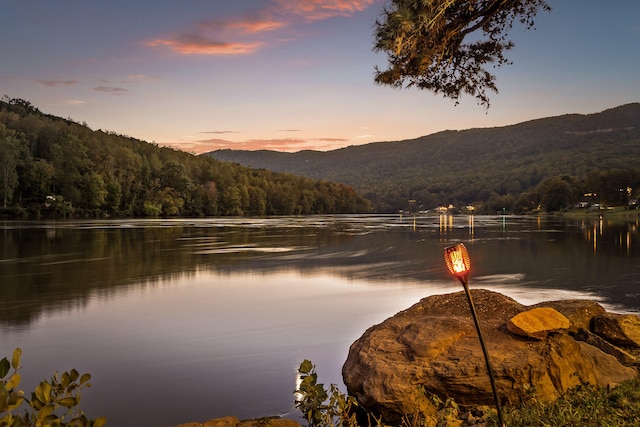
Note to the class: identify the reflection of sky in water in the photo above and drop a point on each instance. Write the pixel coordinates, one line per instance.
(216, 322)
(216, 344)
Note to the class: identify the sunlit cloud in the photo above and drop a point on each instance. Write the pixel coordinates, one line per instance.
(55, 83)
(221, 37)
(243, 27)
(315, 10)
(111, 90)
(246, 34)
(193, 44)
(74, 102)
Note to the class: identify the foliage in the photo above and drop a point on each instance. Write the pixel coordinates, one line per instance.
(444, 46)
(586, 405)
(491, 168)
(55, 167)
(311, 400)
(52, 402)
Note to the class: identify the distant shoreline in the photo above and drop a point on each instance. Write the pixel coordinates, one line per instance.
(613, 212)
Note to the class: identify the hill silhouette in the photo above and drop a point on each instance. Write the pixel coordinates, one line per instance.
(54, 167)
(474, 165)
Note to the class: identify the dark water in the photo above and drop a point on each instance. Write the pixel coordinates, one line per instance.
(186, 320)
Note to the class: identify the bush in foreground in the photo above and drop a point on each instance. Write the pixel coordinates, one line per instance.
(586, 405)
(52, 403)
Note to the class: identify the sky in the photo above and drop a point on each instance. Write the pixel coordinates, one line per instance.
(290, 75)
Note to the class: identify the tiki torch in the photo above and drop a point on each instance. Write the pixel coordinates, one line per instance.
(459, 264)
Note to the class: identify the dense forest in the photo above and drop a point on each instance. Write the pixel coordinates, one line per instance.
(547, 164)
(54, 167)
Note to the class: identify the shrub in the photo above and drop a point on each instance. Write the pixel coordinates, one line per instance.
(52, 402)
(311, 400)
(585, 405)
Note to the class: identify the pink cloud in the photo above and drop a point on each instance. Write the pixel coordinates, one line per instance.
(217, 37)
(323, 9)
(248, 26)
(197, 45)
(284, 144)
(245, 35)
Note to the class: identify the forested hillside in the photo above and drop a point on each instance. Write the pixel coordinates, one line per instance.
(55, 167)
(547, 163)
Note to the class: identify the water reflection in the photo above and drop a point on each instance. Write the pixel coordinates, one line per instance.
(49, 266)
(623, 234)
(224, 310)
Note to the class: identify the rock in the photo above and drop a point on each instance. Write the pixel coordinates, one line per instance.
(433, 348)
(269, 422)
(216, 422)
(580, 312)
(619, 329)
(537, 322)
(234, 422)
(600, 343)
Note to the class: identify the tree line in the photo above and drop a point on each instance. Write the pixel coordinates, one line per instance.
(510, 167)
(51, 166)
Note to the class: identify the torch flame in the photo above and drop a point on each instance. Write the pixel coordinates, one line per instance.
(457, 259)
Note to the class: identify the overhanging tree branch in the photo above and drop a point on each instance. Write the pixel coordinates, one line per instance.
(445, 45)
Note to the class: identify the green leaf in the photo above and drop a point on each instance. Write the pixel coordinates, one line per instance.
(65, 380)
(68, 402)
(13, 382)
(15, 360)
(35, 403)
(308, 381)
(15, 401)
(4, 394)
(4, 367)
(43, 392)
(38, 394)
(80, 421)
(74, 374)
(84, 378)
(99, 422)
(45, 411)
(305, 367)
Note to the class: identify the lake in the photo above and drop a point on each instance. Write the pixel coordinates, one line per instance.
(184, 320)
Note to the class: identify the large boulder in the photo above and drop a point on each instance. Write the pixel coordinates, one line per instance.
(433, 348)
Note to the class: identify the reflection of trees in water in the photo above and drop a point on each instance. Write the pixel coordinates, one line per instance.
(62, 268)
(48, 269)
(59, 268)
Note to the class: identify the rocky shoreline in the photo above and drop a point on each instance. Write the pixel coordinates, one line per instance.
(232, 421)
(431, 349)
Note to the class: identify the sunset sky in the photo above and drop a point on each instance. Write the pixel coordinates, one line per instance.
(287, 75)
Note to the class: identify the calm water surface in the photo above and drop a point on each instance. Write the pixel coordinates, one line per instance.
(186, 320)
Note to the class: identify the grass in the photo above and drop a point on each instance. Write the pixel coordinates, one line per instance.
(583, 406)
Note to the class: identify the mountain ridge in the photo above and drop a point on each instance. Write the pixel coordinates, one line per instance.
(467, 165)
